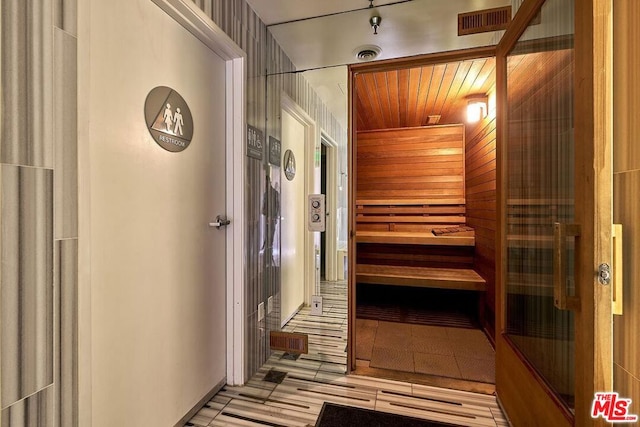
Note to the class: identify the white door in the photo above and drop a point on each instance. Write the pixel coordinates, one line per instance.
(157, 270)
(293, 222)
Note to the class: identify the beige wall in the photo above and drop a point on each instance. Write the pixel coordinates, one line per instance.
(627, 194)
(156, 310)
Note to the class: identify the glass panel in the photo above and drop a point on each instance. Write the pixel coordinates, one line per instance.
(540, 168)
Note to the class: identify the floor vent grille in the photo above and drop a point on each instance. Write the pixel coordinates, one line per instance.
(482, 21)
(289, 342)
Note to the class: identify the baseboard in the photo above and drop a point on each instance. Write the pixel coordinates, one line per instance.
(201, 403)
(291, 317)
(502, 409)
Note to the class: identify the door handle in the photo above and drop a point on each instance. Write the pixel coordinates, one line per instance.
(220, 222)
(561, 299)
(616, 279)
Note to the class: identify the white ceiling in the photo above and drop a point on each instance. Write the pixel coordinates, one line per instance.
(409, 27)
(277, 11)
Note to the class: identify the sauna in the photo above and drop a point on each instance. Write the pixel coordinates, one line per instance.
(423, 217)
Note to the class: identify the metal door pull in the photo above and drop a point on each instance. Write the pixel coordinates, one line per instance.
(220, 222)
(618, 267)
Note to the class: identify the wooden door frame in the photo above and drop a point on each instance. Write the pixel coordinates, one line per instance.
(593, 93)
(354, 70)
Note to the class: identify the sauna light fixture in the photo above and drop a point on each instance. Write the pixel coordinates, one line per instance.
(476, 108)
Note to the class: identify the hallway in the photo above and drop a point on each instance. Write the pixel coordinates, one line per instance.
(288, 392)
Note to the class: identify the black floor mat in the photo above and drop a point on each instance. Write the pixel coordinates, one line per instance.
(333, 415)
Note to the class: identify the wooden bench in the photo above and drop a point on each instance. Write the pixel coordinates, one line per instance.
(442, 278)
(397, 244)
(411, 221)
(530, 221)
(530, 236)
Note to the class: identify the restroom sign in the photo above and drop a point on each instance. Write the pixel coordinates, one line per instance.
(168, 119)
(275, 149)
(255, 142)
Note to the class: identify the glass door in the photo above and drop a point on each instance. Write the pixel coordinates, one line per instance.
(554, 350)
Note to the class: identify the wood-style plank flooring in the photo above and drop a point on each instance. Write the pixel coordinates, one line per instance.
(318, 377)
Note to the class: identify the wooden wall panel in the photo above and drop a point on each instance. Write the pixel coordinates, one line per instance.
(480, 181)
(411, 163)
(415, 255)
(626, 187)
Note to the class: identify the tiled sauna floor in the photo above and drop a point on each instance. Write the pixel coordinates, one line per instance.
(319, 377)
(434, 350)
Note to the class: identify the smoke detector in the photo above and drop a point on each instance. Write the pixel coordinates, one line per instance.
(367, 52)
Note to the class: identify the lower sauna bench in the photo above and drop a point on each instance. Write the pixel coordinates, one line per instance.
(426, 277)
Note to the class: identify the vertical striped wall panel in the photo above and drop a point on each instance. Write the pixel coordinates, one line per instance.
(66, 327)
(38, 175)
(65, 136)
(26, 282)
(65, 16)
(34, 411)
(27, 114)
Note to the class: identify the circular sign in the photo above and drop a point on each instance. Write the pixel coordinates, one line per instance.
(289, 165)
(168, 119)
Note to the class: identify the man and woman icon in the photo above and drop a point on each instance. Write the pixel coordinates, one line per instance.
(173, 120)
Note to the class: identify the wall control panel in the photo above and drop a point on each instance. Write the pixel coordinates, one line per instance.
(317, 212)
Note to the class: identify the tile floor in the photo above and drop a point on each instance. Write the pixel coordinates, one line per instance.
(434, 350)
(319, 377)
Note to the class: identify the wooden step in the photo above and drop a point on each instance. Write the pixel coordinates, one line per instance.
(442, 278)
(463, 238)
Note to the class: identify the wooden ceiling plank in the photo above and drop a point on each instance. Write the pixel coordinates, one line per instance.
(434, 88)
(375, 119)
(382, 92)
(451, 103)
(363, 104)
(403, 97)
(485, 77)
(445, 85)
(415, 77)
(423, 95)
(361, 111)
(394, 98)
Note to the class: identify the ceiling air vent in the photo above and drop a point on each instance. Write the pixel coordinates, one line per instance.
(367, 53)
(482, 21)
(433, 120)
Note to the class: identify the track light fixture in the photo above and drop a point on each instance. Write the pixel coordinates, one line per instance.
(375, 19)
(375, 23)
